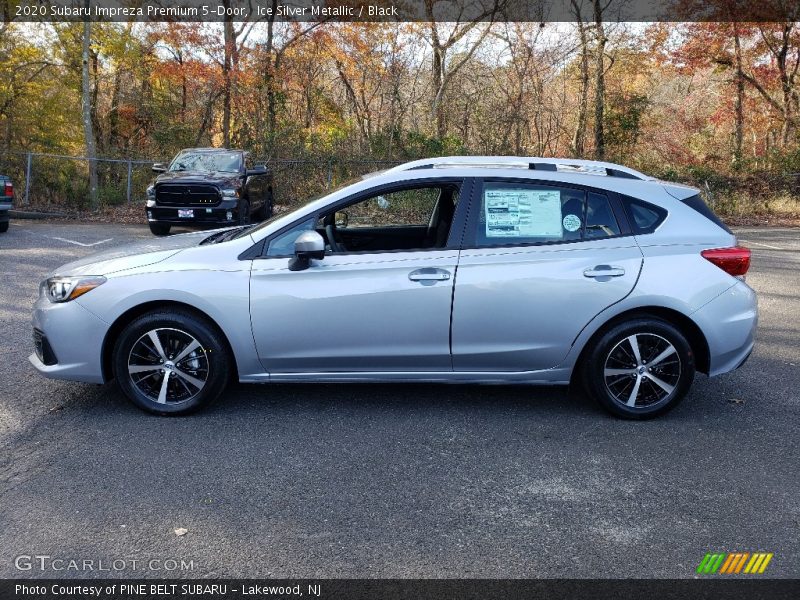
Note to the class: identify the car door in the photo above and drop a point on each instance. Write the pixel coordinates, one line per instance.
(540, 260)
(354, 311)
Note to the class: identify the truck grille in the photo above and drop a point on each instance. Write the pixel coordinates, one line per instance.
(184, 194)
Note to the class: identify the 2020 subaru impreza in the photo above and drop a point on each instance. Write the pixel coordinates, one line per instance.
(464, 269)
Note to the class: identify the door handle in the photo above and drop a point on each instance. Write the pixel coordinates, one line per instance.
(429, 274)
(604, 272)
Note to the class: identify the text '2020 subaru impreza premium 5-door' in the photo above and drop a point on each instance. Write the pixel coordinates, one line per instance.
(480, 269)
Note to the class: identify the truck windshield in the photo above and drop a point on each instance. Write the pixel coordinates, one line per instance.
(208, 162)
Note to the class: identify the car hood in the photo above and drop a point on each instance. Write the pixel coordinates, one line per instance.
(216, 178)
(131, 256)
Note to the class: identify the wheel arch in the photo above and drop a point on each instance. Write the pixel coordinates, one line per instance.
(135, 312)
(694, 335)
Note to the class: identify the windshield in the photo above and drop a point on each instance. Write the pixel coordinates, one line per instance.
(208, 162)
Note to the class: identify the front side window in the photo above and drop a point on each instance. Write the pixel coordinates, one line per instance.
(413, 218)
(283, 243)
(400, 208)
(522, 213)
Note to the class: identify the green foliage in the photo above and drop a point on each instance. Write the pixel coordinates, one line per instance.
(623, 119)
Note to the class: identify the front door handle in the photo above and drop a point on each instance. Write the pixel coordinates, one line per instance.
(429, 275)
(604, 272)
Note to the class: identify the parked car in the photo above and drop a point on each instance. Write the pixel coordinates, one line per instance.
(205, 187)
(482, 270)
(6, 201)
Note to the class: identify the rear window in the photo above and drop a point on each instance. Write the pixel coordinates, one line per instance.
(696, 203)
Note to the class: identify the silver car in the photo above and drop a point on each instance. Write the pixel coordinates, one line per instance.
(463, 269)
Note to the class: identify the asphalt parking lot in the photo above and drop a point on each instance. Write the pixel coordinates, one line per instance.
(397, 480)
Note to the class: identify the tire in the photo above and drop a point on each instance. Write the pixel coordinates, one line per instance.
(159, 228)
(244, 212)
(194, 380)
(3, 226)
(265, 212)
(614, 377)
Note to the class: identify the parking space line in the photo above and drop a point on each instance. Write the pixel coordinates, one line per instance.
(764, 245)
(79, 243)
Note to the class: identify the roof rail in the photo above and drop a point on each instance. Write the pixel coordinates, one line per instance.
(563, 165)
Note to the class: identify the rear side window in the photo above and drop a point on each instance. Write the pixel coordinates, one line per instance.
(696, 202)
(644, 217)
(521, 213)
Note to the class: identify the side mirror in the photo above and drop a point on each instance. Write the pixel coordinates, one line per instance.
(159, 168)
(308, 245)
(257, 170)
(342, 219)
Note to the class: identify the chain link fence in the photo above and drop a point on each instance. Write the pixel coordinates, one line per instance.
(60, 183)
(55, 182)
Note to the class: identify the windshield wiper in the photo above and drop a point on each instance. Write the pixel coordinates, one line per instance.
(213, 237)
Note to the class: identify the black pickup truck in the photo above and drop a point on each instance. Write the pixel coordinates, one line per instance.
(6, 200)
(208, 187)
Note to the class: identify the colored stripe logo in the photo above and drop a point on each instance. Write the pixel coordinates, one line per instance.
(734, 563)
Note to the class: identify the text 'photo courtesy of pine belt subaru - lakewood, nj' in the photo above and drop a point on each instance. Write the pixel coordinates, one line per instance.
(461, 269)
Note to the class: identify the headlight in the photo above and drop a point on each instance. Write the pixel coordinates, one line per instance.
(230, 193)
(64, 289)
(151, 192)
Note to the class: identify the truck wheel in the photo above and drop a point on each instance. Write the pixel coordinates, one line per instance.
(4, 227)
(269, 203)
(159, 228)
(244, 212)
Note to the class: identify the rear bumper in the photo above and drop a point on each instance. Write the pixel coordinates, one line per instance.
(4, 208)
(729, 323)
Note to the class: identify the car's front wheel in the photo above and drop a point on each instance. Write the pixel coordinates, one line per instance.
(171, 363)
(639, 369)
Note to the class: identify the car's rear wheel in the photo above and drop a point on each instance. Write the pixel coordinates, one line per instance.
(159, 228)
(3, 226)
(639, 369)
(171, 363)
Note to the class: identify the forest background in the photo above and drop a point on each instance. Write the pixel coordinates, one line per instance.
(714, 104)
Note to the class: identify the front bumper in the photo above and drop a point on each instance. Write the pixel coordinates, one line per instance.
(75, 339)
(225, 213)
(729, 323)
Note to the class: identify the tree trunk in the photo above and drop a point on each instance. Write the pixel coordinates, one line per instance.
(269, 80)
(738, 133)
(600, 84)
(88, 131)
(226, 78)
(437, 79)
(579, 137)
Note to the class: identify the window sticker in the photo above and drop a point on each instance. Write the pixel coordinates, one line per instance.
(523, 213)
(572, 222)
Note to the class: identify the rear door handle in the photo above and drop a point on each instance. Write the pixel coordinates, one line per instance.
(429, 275)
(604, 272)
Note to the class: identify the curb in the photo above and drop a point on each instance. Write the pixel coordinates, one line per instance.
(24, 214)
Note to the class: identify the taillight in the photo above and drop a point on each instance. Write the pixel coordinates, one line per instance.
(9, 191)
(734, 261)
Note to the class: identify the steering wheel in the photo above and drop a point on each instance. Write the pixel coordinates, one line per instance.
(330, 232)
